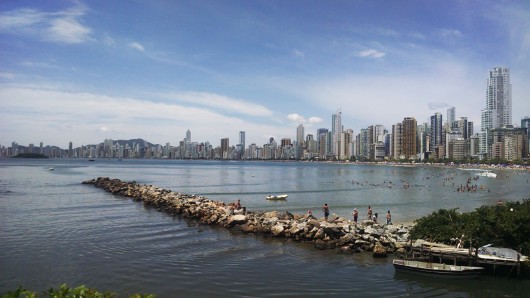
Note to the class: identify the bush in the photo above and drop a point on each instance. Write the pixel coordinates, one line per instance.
(66, 292)
(506, 225)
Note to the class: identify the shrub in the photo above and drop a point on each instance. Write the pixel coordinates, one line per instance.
(506, 225)
(66, 292)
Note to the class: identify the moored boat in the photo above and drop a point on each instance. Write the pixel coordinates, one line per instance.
(436, 269)
(277, 197)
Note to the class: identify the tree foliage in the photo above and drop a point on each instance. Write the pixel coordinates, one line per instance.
(66, 292)
(506, 225)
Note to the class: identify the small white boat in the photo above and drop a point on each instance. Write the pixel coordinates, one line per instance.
(490, 253)
(488, 174)
(277, 197)
(50, 169)
(437, 270)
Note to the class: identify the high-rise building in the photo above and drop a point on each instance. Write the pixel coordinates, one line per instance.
(225, 145)
(436, 133)
(451, 117)
(498, 110)
(525, 123)
(242, 140)
(409, 137)
(300, 135)
(188, 136)
(396, 148)
(336, 130)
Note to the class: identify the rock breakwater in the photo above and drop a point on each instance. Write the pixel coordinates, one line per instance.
(336, 233)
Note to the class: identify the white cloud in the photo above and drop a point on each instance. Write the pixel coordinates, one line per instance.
(7, 75)
(298, 53)
(57, 117)
(451, 33)
(62, 26)
(137, 46)
(294, 117)
(220, 102)
(371, 54)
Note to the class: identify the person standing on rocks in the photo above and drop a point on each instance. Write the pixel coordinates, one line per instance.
(388, 218)
(370, 213)
(355, 214)
(325, 209)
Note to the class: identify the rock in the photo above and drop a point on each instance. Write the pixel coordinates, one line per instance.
(379, 251)
(319, 234)
(270, 214)
(248, 228)
(321, 244)
(372, 232)
(367, 222)
(236, 220)
(277, 230)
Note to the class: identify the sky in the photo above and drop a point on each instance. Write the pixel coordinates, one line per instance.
(86, 71)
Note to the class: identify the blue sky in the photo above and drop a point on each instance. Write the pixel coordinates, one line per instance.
(83, 71)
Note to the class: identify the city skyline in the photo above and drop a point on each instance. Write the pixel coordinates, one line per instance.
(84, 71)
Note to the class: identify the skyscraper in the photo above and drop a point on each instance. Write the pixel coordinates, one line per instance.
(336, 130)
(300, 135)
(436, 135)
(498, 108)
(451, 116)
(409, 137)
(242, 140)
(188, 136)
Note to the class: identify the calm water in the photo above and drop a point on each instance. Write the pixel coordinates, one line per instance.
(55, 230)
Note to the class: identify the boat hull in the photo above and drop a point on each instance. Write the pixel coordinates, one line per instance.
(276, 198)
(437, 270)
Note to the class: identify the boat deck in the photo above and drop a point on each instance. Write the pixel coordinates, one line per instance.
(445, 253)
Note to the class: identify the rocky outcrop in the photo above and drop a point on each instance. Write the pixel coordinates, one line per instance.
(335, 233)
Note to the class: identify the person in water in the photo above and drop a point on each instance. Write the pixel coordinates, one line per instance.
(370, 213)
(325, 209)
(355, 214)
(388, 218)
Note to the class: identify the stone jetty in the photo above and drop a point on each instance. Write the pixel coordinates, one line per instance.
(336, 233)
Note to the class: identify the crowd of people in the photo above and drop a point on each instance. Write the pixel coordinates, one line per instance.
(236, 208)
(370, 214)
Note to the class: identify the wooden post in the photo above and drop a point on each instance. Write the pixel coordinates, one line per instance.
(518, 265)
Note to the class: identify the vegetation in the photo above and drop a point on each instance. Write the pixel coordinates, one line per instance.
(30, 155)
(66, 292)
(503, 225)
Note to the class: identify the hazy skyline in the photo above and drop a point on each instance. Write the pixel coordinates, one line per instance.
(83, 71)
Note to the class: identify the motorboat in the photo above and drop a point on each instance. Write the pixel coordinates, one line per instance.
(490, 253)
(488, 174)
(276, 197)
(436, 269)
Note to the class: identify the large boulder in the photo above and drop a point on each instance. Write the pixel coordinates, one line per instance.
(237, 220)
(379, 251)
(277, 230)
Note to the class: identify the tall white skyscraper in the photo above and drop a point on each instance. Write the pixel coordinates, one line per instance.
(300, 135)
(188, 136)
(336, 130)
(451, 116)
(498, 110)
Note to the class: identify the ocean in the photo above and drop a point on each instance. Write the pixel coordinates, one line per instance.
(54, 230)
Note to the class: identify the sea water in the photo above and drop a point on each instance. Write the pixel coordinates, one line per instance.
(54, 230)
